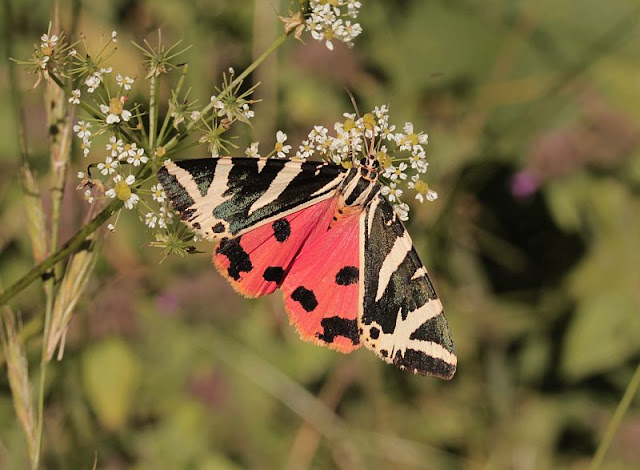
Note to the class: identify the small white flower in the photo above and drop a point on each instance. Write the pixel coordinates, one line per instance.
(138, 158)
(85, 146)
(128, 150)
(122, 190)
(114, 35)
(82, 129)
(48, 41)
(109, 166)
(164, 217)
(111, 227)
(402, 210)
(88, 196)
(114, 146)
(195, 115)
(248, 113)
(44, 61)
(75, 97)
(231, 71)
(124, 82)
(400, 171)
(73, 53)
(92, 82)
(392, 192)
(115, 111)
(150, 220)
(80, 175)
(252, 150)
(306, 150)
(158, 194)
(280, 148)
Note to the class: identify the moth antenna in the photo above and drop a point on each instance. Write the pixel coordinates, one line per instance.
(353, 102)
(355, 108)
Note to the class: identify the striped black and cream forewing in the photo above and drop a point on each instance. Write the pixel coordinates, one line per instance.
(225, 197)
(401, 317)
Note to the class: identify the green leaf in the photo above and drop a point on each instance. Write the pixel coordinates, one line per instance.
(564, 199)
(603, 334)
(111, 372)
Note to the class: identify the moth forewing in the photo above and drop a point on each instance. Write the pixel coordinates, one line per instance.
(400, 318)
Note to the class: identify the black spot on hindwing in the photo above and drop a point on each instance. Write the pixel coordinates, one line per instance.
(218, 228)
(347, 275)
(238, 258)
(281, 230)
(305, 298)
(273, 274)
(338, 326)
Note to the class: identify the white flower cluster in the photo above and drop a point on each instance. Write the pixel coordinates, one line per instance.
(118, 181)
(330, 20)
(399, 153)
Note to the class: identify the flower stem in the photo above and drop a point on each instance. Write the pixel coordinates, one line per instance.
(72, 245)
(614, 424)
(277, 43)
(153, 91)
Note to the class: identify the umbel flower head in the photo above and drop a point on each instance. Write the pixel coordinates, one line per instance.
(326, 20)
(400, 152)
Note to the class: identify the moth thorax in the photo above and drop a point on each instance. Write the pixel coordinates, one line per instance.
(357, 189)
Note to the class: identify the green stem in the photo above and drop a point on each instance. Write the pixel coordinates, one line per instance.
(614, 424)
(48, 288)
(153, 103)
(277, 43)
(69, 247)
(167, 116)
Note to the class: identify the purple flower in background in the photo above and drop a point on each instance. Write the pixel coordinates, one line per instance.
(167, 303)
(524, 184)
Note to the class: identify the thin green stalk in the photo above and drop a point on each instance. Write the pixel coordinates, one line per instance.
(153, 111)
(72, 245)
(167, 117)
(615, 422)
(48, 288)
(277, 43)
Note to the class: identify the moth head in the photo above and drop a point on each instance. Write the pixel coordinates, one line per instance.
(369, 167)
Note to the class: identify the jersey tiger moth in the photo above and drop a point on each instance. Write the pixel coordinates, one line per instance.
(330, 240)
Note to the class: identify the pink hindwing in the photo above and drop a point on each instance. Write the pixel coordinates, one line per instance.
(321, 288)
(256, 263)
(334, 245)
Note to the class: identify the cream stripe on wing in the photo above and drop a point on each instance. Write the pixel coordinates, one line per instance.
(420, 272)
(330, 185)
(220, 181)
(397, 254)
(286, 174)
(373, 207)
(185, 179)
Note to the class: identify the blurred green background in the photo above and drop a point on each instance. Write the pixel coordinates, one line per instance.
(532, 111)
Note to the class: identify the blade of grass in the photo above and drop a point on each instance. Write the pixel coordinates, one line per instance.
(615, 422)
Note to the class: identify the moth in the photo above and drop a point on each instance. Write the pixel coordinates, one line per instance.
(328, 238)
